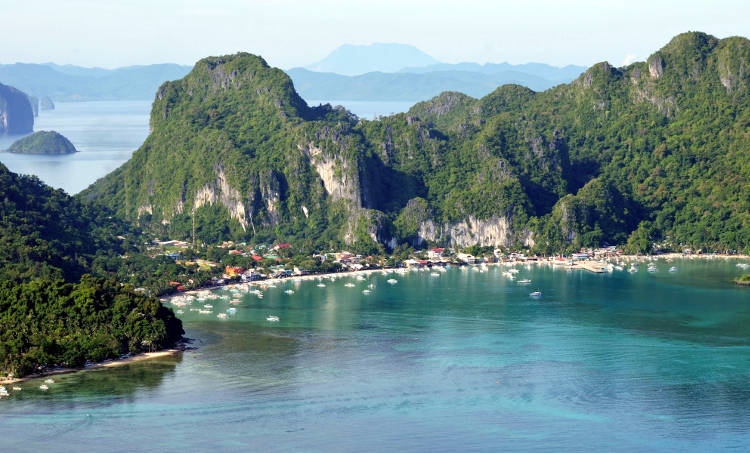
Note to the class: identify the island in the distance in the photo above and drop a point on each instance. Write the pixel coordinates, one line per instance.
(43, 142)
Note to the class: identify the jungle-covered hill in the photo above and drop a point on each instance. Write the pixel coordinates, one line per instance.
(655, 151)
(51, 311)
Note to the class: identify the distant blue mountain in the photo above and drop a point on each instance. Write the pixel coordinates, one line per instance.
(552, 73)
(360, 59)
(76, 83)
(400, 86)
(400, 72)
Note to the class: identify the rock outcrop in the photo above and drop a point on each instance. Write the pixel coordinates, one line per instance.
(46, 103)
(16, 113)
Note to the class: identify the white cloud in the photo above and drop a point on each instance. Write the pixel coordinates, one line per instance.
(629, 58)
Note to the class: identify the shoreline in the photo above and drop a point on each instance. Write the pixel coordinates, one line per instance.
(583, 265)
(111, 363)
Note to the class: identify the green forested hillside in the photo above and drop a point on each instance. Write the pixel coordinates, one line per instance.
(51, 312)
(658, 151)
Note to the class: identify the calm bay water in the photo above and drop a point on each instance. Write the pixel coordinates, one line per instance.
(465, 361)
(105, 133)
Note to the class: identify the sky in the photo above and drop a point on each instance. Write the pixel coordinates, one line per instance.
(290, 33)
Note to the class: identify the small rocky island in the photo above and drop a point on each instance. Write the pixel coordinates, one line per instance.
(43, 142)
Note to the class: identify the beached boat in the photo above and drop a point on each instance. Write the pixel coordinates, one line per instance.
(272, 318)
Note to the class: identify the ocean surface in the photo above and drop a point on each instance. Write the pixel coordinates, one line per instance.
(107, 132)
(461, 361)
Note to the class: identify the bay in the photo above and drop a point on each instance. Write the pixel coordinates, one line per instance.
(461, 361)
(105, 133)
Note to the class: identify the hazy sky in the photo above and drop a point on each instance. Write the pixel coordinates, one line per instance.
(291, 33)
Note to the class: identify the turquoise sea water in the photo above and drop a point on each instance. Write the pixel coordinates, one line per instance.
(463, 361)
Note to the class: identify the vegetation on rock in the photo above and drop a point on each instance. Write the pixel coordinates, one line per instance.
(43, 142)
(655, 152)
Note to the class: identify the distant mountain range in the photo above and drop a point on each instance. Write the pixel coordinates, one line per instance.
(376, 72)
(76, 83)
(399, 72)
(419, 86)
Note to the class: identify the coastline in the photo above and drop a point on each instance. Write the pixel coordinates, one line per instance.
(588, 265)
(111, 363)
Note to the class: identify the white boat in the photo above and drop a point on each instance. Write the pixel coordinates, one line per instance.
(289, 291)
(673, 269)
(222, 316)
(350, 285)
(524, 281)
(371, 286)
(633, 269)
(3, 391)
(272, 318)
(536, 294)
(231, 310)
(513, 271)
(435, 274)
(366, 291)
(49, 381)
(321, 285)
(43, 387)
(392, 281)
(208, 306)
(17, 388)
(205, 312)
(361, 277)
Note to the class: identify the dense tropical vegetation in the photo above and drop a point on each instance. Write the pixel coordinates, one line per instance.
(52, 312)
(652, 153)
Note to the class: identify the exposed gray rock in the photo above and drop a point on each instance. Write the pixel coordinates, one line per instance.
(655, 66)
(16, 114)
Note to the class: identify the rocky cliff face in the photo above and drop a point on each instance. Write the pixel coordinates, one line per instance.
(235, 152)
(16, 114)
